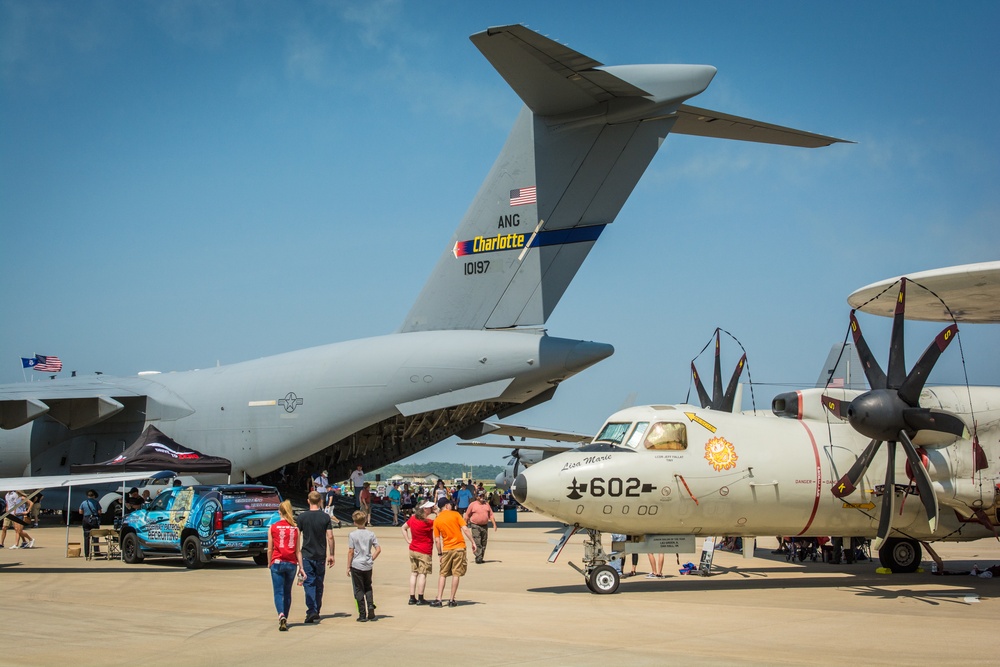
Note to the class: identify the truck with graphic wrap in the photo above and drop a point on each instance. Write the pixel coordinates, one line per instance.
(199, 523)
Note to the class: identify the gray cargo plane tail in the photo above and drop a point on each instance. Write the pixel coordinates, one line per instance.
(470, 348)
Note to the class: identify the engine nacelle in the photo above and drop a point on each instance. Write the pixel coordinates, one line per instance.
(808, 403)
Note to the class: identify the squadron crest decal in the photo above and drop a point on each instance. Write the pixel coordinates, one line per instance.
(720, 454)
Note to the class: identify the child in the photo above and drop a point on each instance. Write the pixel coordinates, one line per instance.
(362, 550)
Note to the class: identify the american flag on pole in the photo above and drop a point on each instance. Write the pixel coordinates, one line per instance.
(48, 364)
(522, 196)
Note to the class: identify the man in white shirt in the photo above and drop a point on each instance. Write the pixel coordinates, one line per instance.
(357, 481)
(321, 484)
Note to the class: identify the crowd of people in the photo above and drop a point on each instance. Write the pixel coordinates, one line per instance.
(302, 547)
(401, 498)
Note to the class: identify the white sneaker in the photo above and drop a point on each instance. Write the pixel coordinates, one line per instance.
(14, 547)
(30, 544)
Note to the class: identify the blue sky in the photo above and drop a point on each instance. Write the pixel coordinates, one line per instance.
(191, 183)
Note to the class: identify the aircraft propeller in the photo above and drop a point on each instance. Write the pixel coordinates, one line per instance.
(719, 400)
(890, 412)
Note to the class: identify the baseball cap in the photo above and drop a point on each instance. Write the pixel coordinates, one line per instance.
(426, 506)
(443, 501)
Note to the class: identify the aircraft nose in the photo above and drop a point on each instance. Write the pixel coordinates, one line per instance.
(520, 489)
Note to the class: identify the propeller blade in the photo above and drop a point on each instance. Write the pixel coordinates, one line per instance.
(876, 378)
(727, 400)
(706, 402)
(897, 362)
(836, 406)
(923, 480)
(717, 377)
(888, 498)
(914, 383)
(847, 484)
(920, 419)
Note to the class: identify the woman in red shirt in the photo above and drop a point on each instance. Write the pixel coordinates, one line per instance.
(284, 555)
(419, 534)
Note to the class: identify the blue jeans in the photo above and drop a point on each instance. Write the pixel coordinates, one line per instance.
(315, 572)
(282, 578)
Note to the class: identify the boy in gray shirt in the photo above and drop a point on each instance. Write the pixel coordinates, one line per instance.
(362, 550)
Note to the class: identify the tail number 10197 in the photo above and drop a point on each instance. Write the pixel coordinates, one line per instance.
(474, 268)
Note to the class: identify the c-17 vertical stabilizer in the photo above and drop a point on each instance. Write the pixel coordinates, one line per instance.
(581, 143)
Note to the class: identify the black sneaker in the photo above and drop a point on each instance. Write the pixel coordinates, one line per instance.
(362, 618)
(452, 603)
(412, 600)
(282, 624)
(312, 618)
(435, 603)
(420, 601)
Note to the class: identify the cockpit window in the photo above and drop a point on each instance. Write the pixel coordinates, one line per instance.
(613, 432)
(667, 435)
(637, 434)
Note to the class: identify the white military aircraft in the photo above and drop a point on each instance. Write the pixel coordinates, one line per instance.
(665, 473)
(472, 346)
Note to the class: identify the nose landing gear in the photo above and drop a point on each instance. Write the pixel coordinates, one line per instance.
(600, 577)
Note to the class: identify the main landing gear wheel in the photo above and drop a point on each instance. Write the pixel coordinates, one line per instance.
(603, 580)
(902, 556)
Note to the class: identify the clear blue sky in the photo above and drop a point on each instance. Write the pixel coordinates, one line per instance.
(191, 183)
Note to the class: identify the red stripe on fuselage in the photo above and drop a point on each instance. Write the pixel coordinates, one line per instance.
(819, 479)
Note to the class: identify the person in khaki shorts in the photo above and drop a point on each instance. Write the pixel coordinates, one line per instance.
(418, 531)
(450, 535)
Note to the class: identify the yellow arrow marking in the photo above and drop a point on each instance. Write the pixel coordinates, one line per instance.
(698, 420)
(859, 506)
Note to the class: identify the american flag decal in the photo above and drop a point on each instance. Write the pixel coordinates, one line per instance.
(522, 196)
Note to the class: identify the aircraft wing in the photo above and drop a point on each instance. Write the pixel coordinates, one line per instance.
(707, 123)
(515, 431)
(551, 449)
(970, 291)
(63, 481)
(81, 402)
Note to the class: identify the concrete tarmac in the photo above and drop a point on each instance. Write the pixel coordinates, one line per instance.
(515, 609)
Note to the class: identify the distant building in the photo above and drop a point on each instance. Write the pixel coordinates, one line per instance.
(416, 478)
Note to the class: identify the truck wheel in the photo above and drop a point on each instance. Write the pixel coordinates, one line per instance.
(131, 553)
(260, 559)
(191, 552)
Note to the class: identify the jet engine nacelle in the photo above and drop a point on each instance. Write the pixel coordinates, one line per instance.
(808, 403)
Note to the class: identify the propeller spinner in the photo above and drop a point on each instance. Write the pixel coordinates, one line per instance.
(890, 412)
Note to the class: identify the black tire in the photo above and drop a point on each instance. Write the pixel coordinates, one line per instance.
(191, 552)
(260, 559)
(604, 580)
(900, 555)
(131, 553)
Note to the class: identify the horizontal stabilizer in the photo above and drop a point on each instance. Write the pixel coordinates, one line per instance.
(708, 123)
(550, 78)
